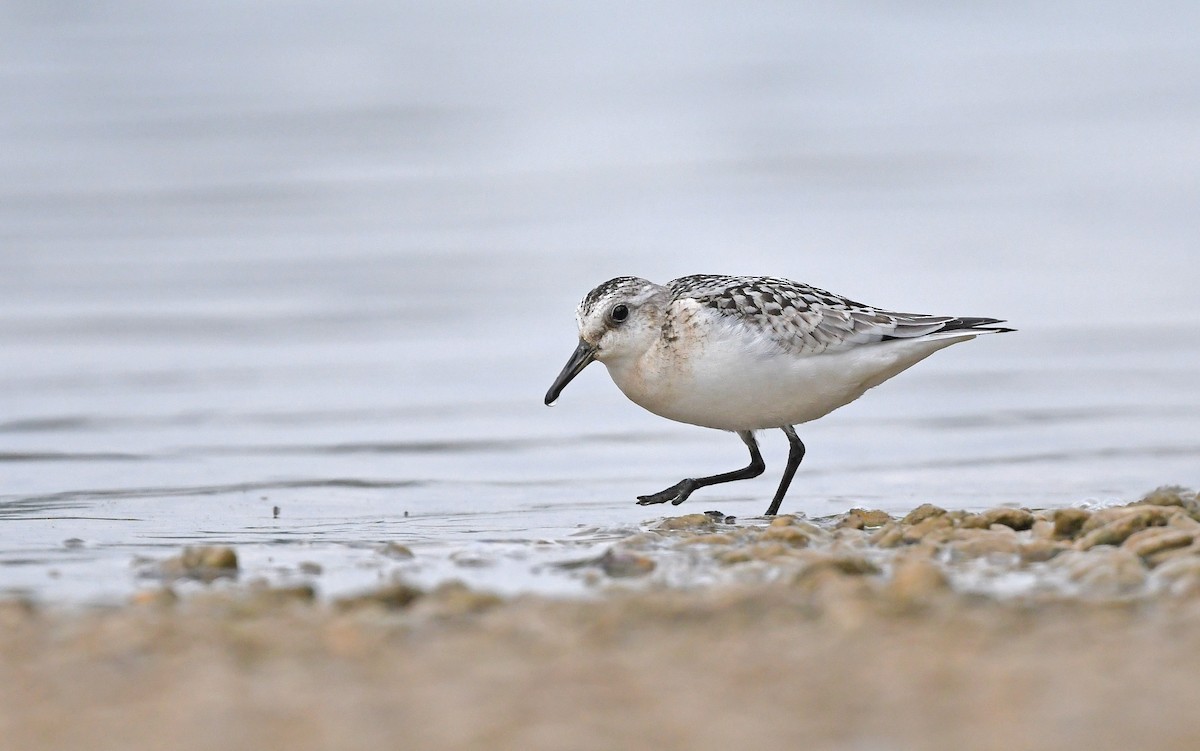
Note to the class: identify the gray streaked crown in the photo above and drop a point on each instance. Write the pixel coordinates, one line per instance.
(621, 286)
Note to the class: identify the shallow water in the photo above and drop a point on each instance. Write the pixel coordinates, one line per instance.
(327, 261)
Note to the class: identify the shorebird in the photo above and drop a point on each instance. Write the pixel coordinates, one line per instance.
(747, 353)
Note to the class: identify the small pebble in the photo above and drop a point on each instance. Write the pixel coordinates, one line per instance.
(790, 535)
(204, 563)
(272, 597)
(687, 521)
(984, 544)
(1069, 521)
(889, 535)
(1043, 529)
(916, 532)
(392, 596)
(1162, 556)
(1120, 527)
(454, 598)
(1157, 539)
(1041, 550)
(921, 513)
(1168, 496)
(1137, 514)
(621, 564)
(617, 563)
(857, 518)
(396, 550)
(1014, 518)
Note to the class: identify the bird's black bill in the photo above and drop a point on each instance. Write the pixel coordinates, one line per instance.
(580, 359)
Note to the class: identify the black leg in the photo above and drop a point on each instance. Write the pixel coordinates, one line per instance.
(795, 454)
(679, 492)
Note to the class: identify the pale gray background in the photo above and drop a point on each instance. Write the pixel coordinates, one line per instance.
(325, 257)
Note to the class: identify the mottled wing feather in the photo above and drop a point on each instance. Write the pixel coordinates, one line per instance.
(803, 319)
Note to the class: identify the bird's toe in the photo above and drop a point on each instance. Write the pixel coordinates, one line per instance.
(650, 500)
(676, 494)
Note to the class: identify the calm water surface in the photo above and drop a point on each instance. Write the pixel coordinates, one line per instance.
(327, 261)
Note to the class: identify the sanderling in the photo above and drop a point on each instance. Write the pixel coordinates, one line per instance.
(747, 353)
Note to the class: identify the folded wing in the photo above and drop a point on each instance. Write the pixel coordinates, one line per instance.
(804, 319)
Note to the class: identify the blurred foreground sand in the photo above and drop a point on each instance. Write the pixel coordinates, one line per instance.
(764, 668)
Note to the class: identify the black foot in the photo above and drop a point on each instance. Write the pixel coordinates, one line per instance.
(676, 494)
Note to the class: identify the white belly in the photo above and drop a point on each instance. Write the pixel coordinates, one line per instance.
(732, 384)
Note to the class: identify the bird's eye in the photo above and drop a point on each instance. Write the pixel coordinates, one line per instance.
(619, 312)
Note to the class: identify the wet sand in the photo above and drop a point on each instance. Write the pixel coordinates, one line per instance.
(882, 651)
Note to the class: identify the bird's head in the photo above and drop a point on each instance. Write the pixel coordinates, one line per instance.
(619, 319)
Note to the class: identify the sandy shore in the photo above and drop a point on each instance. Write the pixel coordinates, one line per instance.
(885, 652)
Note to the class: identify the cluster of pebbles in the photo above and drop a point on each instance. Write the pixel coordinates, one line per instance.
(1148, 548)
(1145, 548)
